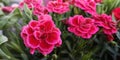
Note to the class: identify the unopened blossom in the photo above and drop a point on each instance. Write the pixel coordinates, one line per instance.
(7, 9)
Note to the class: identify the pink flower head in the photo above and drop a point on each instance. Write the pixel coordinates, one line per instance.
(108, 26)
(87, 5)
(58, 6)
(46, 1)
(82, 27)
(105, 21)
(116, 13)
(30, 3)
(41, 35)
(39, 10)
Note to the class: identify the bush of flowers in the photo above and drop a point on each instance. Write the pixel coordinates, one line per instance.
(60, 30)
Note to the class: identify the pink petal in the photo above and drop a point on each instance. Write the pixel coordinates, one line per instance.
(32, 42)
(93, 29)
(44, 17)
(87, 36)
(29, 30)
(45, 46)
(24, 33)
(59, 43)
(48, 25)
(56, 30)
(37, 35)
(45, 52)
(33, 24)
(71, 29)
(53, 38)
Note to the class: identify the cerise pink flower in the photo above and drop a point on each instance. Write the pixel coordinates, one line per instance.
(46, 1)
(30, 3)
(58, 6)
(108, 26)
(82, 27)
(116, 13)
(39, 10)
(105, 21)
(41, 35)
(87, 5)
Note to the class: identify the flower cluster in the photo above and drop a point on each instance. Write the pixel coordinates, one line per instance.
(43, 35)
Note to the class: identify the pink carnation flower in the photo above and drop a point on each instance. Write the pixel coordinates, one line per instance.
(41, 35)
(82, 27)
(86, 5)
(105, 21)
(58, 6)
(39, 10)
(46, 1)
(30, 3)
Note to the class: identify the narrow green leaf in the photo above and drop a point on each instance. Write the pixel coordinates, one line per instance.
(3, 39)
(4, 54)
(6, 2)
(11, 22)
(27, 12)
(118, 35)
(68, 45)
(24, 56)
(2, 24)
(113, 18)
(1, 12)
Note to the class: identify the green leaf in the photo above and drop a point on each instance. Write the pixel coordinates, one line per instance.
(3, 54)
(1, 12)
(2, 23)
(27, 12)
(118, 35)
(68, 45)
(6, 2)
(11, 19)
(87, 56)
(3, 39)
(6, 53)
(17, 13)
(24, 56)
(113, 18)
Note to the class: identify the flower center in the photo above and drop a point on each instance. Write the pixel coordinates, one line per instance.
(43, 36)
